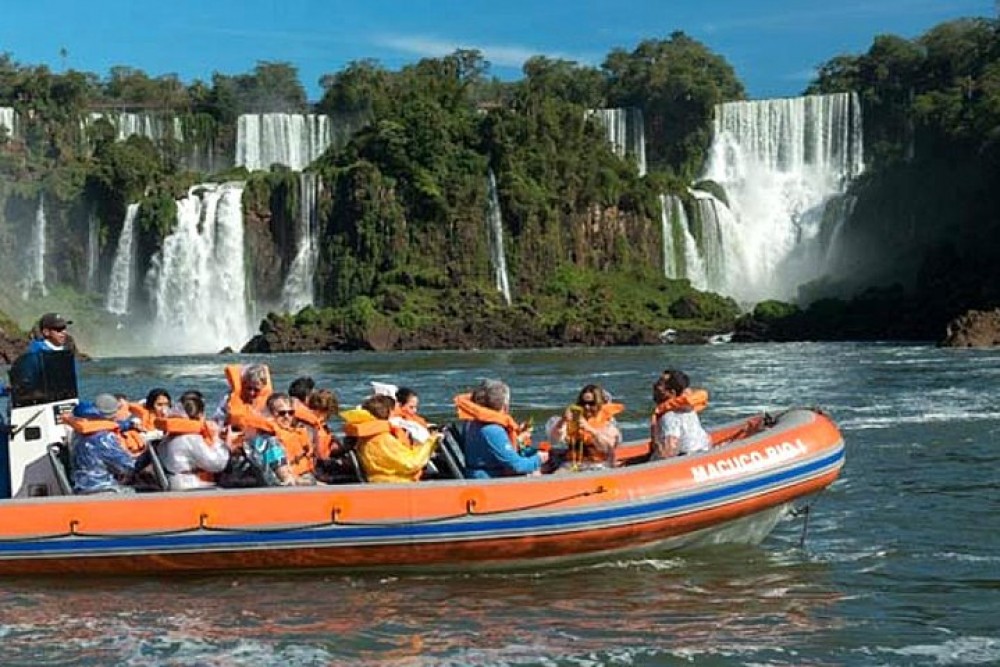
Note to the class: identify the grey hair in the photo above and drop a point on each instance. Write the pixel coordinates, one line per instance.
(492, 394)
(255, 373)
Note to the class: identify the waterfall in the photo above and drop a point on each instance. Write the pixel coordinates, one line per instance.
(120, 282)
(33, 284)
(681, 256)
(8, 120)
(494, 220)
(298, 292)
(93, 251)
(780, 163)
(626, 133)
(197, 282)
(294, 140)
(151, 126)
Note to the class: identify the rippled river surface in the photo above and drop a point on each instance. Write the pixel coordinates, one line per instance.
(900, 565)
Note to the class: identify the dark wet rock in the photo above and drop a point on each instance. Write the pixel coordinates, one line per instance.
(976, 328)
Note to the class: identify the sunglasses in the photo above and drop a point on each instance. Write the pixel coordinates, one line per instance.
(588, 404)
(58, 329)
(284, 413)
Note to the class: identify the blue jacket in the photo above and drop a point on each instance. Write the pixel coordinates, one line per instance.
(489, 453)
(99, 463)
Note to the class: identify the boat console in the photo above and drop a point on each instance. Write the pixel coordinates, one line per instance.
(43, 388)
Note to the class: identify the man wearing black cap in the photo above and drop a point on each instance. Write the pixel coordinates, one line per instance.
(52, 332)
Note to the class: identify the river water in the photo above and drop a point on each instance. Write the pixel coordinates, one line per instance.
(900, 563)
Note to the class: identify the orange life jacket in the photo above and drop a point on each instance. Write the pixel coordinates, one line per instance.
(470, 411)
(145, 416)
(295, 441)
(604, 415)
(323, 440)
(304, 414)
(185, 426)
(367, 429)
(239, 410)
(131, 441)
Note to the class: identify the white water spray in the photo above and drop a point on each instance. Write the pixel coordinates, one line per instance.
(197, 281)
(780, 163)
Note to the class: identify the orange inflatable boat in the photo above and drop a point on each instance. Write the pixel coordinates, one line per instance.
(733, 493)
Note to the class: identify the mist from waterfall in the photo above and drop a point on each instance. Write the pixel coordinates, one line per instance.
(120, 281)
(626, 130)
(197, 282)
(33, 283)
(294, 140)
(494, 222)
(299, 288)
(781, 163)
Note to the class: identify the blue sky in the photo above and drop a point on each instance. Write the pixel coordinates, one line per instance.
(774, 45)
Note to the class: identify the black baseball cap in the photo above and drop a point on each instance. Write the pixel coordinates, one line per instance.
(53, 321)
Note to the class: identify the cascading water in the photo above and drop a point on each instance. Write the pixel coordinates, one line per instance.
(294, 140)
(626, 133)
(681, 257)
(298, 292)
(494, 222)
(197, 281)
(120, 281)
(34, 280)
(781, 163)
(152, 126)
(93, 251)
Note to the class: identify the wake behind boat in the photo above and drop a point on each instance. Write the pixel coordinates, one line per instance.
(733, 493)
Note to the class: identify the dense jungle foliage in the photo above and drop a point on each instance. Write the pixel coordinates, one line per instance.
(405, 191)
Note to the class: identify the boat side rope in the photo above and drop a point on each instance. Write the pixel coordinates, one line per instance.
(470, 510)
(335, 520)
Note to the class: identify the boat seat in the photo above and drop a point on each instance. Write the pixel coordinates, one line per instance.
(159, 472)
(59, 460)
(355, 464)
(451, 448)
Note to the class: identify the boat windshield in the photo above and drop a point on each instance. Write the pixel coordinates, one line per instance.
(42, 377)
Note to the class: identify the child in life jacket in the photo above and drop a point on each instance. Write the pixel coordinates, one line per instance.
(588, 430)
(676, 428)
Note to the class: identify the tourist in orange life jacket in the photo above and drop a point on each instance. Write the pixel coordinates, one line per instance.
(191, 450)
(250, 386)
(157, 404)
(99, 462)
(491, 442)
(265, 450)
(383, 456)
(588, 429)
(676, 428)
(405, 417)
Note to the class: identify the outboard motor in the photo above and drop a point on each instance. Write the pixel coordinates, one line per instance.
(42, 389)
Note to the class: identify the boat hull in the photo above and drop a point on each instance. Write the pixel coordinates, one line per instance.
(734, 493)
